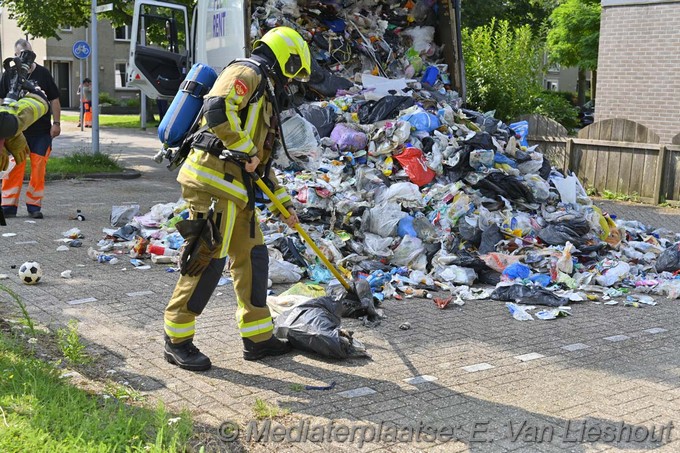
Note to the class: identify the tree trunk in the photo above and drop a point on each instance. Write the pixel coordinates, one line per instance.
(593, 84)
(581, 86)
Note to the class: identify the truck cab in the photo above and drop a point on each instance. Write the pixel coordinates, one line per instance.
(168, 38)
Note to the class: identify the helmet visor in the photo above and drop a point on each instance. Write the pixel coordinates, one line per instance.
(295, 70)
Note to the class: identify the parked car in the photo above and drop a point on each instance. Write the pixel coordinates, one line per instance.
(586, 113)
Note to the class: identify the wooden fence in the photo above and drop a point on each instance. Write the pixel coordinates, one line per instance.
(617, 155)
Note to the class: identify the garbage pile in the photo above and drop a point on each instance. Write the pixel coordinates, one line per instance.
(401, 186)
(387, 38)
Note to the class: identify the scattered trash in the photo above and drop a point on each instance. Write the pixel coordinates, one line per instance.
(66, 274)
(63, 248)
(405, 325)
(330, 386)
(314, 326)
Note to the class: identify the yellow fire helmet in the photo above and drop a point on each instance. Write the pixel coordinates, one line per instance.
(290, 50)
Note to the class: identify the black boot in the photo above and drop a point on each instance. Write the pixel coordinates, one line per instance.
(256, 351)
(186, 356)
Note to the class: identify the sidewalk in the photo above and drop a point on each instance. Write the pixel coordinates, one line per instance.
(494, 383)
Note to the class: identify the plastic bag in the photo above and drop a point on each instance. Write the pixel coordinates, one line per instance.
(521, 128)
(519, 312)
(422, 120)
(457, 274)
(302, 142)
(534, 295)
(481, 158)
(405, 227)
(314, 326)
(415, 165)
(406, 193)
(565, 263)
(322, 118)
(572, 231)
(499, 261)
(383, 219)
(121, 215)
(669, 260)
(348, 139)
(516, 270)
(284, 272)
(304, 289)
(386, 108)
(378, 246)
(410, 253)
(539, 187)
(612, 275)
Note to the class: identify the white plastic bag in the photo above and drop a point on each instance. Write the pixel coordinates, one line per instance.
(383, 219)
(284, 272)
(410, 253)
(302, 141)
(378, 246)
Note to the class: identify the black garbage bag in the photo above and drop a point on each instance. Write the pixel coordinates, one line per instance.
(127, 232)
(669, 260)
(322, 118)
(489, 277)
(573, 230)
(490, 237)
(323, 84)
(486, 123)
(287, 246)
(481, 140)
(461, 165)
(387, 107)
(528, 295)
(510, 187)
(470, 233)
(314, 326)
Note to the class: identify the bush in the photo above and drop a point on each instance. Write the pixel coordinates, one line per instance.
(502, 66)
(554, 105)
(106, 98)
(133, 102)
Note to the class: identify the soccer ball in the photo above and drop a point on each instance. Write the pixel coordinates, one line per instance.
(30, 272)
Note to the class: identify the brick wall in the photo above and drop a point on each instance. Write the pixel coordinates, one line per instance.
(639, 66)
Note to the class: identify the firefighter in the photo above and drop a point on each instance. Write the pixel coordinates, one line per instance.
(14, 119)
(239, 115)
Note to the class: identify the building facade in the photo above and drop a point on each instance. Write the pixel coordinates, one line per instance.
(639, 64)
(57, 56)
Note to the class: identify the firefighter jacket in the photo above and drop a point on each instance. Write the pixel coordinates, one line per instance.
(243, 118)
(27, 110)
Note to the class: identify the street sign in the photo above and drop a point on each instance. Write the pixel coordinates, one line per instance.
(104, 8)
(81, 50)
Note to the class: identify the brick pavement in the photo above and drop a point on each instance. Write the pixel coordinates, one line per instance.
(478, 368)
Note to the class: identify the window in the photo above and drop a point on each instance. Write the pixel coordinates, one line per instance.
(65, 28)
(121, 76)
(121, 33)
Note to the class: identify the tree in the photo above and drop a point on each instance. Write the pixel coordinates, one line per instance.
(534, 13)
(574, 37)
(44, 18)
(502, 67)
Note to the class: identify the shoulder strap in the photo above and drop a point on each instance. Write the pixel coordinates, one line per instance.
(261, 70)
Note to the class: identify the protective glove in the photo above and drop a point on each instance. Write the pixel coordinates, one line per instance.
(4, 160)
(202, 239)
(17, 147)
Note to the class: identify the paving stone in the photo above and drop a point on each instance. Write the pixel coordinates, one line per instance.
(420, 379)
(616, 338)
(477, 367)
(354, 393)
(530, 356)
(575, 347)
(656, 330)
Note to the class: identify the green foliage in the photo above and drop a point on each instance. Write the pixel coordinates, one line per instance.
(80, 164)
(575, 33)
(618, 196)
(42, 412)
(133, 102)
(533, 13)
(106, 98)
(555, 106)
(43, 18)
(502, 68)
(27, 318)
(263, 410)
(70, 344)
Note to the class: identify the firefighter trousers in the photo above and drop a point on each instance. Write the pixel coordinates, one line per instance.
(249, 271)
(40, 148)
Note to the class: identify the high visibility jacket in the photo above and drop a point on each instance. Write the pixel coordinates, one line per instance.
(27, 110)
(223, 110)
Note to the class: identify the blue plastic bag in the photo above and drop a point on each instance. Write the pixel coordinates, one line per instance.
(405, 226)
(517, 270)
(521, 128)
(422, 121)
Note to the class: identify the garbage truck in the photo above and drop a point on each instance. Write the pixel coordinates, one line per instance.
(389, 38)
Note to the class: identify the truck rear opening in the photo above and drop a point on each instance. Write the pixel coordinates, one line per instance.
(385, 38)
